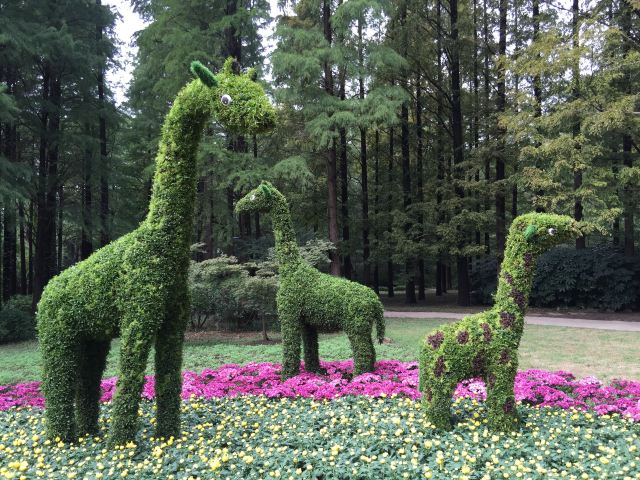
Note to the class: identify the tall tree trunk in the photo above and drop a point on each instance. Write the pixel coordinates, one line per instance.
(376, 265)
(458, 142)
(105, 233)
(59, 229)
(627, 141)
(45, 257)
(390, 272)
(364, 174)
(577, 177)
(23, 253)
(439, 147)
(332, 207)
(410, 286)
(420, 181)
(475, 131)
(629, 243)
(487, 102)
(409, 265)
(10, 246)
(9, 253)
(344, 204)
(332, 180)
(500, 153)
(256, 215)
(30, 243)
(86, 236)
(537, 81)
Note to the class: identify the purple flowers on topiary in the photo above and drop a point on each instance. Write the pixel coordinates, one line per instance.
(436, 339)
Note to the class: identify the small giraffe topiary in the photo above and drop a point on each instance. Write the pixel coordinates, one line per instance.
(136, 287)
(311, 302)
(486, 344)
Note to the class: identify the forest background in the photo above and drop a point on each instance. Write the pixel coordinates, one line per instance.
(410, 134)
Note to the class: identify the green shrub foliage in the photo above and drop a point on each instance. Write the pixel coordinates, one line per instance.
(311, 302)
(486, 344)
(136, 287)
(599, 277)
(17, 322)
(225, 294)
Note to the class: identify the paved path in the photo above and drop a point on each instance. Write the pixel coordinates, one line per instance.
(621, 326)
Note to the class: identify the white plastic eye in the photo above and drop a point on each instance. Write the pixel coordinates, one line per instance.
(253, 197)
(225, 99)
(552, 231)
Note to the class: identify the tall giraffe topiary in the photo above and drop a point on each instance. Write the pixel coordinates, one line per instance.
(312, 302)
(136, 287)
(486, 344)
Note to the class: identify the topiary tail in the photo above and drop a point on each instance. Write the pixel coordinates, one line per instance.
(380, 324)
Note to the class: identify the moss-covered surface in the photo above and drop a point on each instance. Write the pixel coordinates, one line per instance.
(136, 287)
(312, 302)
(486, 344)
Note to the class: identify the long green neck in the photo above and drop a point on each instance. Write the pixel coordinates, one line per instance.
(287, 251)
(514, 286)
(174, 183)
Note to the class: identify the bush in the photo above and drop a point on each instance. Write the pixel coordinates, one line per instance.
(242, 296)
(599, 277)
(17, 322)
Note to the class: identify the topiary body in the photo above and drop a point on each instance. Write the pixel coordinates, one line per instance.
(136, 287)
(311, 302)
(486, 344)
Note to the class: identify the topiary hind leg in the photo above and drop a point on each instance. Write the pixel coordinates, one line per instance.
(60, 367)
(93, 358)
(134, 351)
(310, 344)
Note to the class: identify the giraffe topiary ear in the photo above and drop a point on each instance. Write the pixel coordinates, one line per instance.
(265, 188)
(252, 74)
(530, 232)
(204, 74)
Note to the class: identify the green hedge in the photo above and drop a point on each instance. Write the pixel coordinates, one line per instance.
(599, 277)
(17, 322)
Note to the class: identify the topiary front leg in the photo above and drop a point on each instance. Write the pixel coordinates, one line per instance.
(168, 365)
(501, 405)
(291, 333)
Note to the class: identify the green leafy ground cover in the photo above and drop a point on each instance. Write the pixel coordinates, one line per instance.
(604, 354)
(350, 437)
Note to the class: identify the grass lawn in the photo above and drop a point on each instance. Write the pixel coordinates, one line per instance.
(605, 354)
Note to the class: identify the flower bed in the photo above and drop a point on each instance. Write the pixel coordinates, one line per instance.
(352, 437)
(532, 387)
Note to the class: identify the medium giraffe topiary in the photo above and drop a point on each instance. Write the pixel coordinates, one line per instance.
(136, 287)
(311, 302)
(486, 344)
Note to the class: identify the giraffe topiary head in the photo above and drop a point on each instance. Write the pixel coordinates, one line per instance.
(539, 232)
(238, 101)
(260, 199)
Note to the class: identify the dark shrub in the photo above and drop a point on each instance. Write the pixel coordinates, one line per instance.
(17, 323)
(599, 277)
